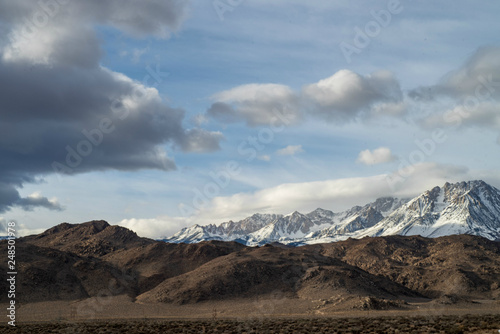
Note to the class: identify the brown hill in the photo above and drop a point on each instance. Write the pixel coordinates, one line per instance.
(155, 262)
(45, 274)
(295, 272)
(94, 238)
(144, 262)
(462, 265)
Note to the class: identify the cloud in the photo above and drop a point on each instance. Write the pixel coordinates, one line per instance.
(343, 96)
(10, 197)
(478, 77)
(483, 115)
(378, 156)
(472, 93)
(155, 17)
(346, 94)
(337, 194)
(37, 200)
(290, 150)
(256, 104)
(156, 228)
(61, 111)
(199, 140)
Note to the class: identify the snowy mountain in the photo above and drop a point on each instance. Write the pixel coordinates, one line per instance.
(461, 208)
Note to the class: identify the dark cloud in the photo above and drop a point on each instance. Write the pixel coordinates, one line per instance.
(34, 201)
(60, 111)
(9, 197)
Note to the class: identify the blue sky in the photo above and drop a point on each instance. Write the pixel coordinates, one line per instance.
(396, 117)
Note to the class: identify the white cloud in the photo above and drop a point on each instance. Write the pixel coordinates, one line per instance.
(378, 156)
(290, 150)
(255, 92)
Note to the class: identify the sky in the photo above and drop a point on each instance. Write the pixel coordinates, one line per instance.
(157, 115)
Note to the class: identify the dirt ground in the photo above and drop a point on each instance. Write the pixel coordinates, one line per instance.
(271, 314)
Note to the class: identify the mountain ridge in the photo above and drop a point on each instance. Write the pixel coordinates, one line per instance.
(63, 263)
(471, 207)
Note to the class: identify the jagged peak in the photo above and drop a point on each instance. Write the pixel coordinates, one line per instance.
(294, 214)
(467, 185)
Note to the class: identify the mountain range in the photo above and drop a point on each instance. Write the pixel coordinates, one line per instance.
(471, 207)
(81, 262)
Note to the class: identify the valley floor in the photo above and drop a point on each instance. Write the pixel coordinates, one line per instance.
(263, 315)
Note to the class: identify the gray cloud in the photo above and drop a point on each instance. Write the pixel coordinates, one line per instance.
(479, 74)
(256, 104)
(223, 112)
(472, 92)
(199, 140)
(60, 111)
(153, 17)
(36, 200)
(346, 94)
(9, 197)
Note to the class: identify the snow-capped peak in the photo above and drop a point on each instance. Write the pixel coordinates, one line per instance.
(462, 208)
